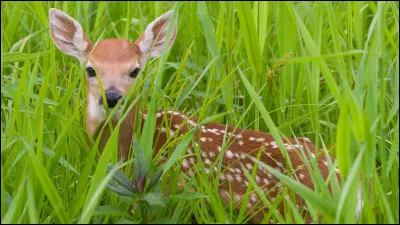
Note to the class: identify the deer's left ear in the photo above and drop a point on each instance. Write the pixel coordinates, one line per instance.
(152, 40)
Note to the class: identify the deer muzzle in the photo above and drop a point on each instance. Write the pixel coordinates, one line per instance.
(113, 95)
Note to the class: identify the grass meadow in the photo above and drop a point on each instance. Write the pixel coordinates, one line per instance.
(325, 70)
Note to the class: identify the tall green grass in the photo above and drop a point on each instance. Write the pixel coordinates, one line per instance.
(325, 70)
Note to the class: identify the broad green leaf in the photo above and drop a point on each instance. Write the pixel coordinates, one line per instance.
(154, 199)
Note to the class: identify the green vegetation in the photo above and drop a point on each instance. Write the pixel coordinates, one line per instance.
(325, 70)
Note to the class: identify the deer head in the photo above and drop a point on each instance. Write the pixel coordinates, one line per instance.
(116, 62)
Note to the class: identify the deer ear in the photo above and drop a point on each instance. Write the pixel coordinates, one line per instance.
(67, 34)
(152, 40)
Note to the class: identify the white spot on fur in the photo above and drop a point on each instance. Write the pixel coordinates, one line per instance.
(211, 154)
(241, 143)
(192, 123)
(289, 147)
(224, 194)
(214, 131)
(229, 154)
(249, 166)
(258, 179)
(252, 138)
(274, 145)
(260, 139)
(238, 177)
(229, 177)
(219, 148)
(203, 139)
(253, 197)
(298, 146)
(306, 139)
(185, 163)
(301, 176)
(236, 196)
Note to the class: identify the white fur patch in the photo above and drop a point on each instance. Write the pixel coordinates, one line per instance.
(94, 109)
(229, 154)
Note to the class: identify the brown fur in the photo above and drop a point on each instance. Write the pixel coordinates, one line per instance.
(114, 51)
(270, 156)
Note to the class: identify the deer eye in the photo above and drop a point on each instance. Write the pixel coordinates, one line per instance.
(134, 73)
(90, 72)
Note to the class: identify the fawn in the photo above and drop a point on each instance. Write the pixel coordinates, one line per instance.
(117, 63)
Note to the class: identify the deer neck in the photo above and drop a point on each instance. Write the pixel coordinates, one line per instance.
(94, 126)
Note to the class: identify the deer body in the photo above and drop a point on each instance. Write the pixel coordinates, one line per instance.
(117, 62)
(240, 146)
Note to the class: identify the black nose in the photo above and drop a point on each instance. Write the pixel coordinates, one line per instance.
(112, 97)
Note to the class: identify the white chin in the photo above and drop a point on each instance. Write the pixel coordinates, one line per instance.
(117, 114)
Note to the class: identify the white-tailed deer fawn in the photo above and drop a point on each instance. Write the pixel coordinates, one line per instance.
(117, 63)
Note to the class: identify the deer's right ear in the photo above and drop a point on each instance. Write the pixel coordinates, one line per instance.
(68, 35)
